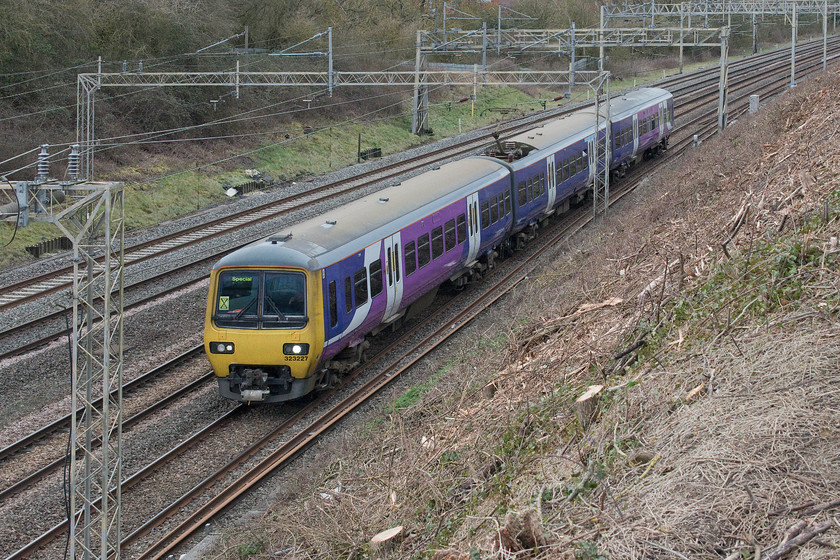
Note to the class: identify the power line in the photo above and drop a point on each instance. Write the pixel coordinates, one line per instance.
(49, 73)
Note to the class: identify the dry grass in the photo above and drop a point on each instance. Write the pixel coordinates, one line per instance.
(761, 437)
(712, 430)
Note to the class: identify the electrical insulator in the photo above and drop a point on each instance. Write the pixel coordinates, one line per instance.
(73, 162)
(43, 163)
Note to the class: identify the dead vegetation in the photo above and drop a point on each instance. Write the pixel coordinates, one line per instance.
(706, 307)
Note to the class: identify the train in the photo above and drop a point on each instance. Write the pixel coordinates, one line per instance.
(287, 314)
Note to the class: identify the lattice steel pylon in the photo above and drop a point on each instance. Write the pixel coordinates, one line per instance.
(93, 221)
(601, 183)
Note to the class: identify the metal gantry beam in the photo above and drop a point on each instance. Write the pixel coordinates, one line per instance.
(428, 42)
(421, 78)
(652, 9)
(316, 79)
(564, 40)
(93, 221)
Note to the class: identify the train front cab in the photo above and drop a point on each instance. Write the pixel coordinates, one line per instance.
(271, 315)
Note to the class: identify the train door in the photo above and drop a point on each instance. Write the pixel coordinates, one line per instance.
(662, 119)
(473, 227)
(393, 277)
(552, 181)
(590, 148)
(635, 134)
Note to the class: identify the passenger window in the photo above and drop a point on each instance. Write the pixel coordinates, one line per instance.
(494, 210)
(375, 269)
(523, 193)
(348, 294)
(437, 242)
(449, 235)
(333, 304)
(410, 258)
(361, 287)
(485, 214)
(423, 256)
(507, 203)
(462, 228)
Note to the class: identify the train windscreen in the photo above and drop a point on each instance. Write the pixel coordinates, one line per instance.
(254, 299)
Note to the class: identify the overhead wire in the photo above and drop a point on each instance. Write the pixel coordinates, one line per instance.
(320, 129)
(149, 137)
(275, 144)
(53, 158)
(47, 75)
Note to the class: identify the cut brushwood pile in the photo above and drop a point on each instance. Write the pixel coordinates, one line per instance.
(704, 311)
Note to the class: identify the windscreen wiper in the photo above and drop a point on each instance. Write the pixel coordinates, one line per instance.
(273, 306)
(244, 309)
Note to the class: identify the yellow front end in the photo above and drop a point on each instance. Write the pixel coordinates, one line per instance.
(264, 332)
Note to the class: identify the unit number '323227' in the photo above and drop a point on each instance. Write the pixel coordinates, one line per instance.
(296, 358)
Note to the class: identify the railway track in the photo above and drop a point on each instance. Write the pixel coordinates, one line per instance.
(705, 123)
(63, 424)
(700, 87)
(61, 279)
(502, 281)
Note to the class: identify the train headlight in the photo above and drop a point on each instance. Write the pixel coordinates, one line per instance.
(295, 349)
(221, 347)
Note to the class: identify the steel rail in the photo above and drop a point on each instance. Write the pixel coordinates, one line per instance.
(64, 421)
(193, 235)
(467, 148)
(230, 495)
(308, 435)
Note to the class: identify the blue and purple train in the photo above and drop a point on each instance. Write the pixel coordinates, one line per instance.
(286, 313)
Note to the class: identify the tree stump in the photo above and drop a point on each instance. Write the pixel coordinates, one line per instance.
(586, 405)
(508, 533)
(383, 542)
(532, 534)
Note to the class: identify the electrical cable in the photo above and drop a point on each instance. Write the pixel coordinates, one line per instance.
(50, 73)
(148, 137)
(19, 155)
(51, 159)
(61, 107)
(241, 117)
(234, 119)
(261, 148)
(39, 90)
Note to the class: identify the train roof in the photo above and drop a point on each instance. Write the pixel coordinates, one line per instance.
(338, 233)
(578, 124)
